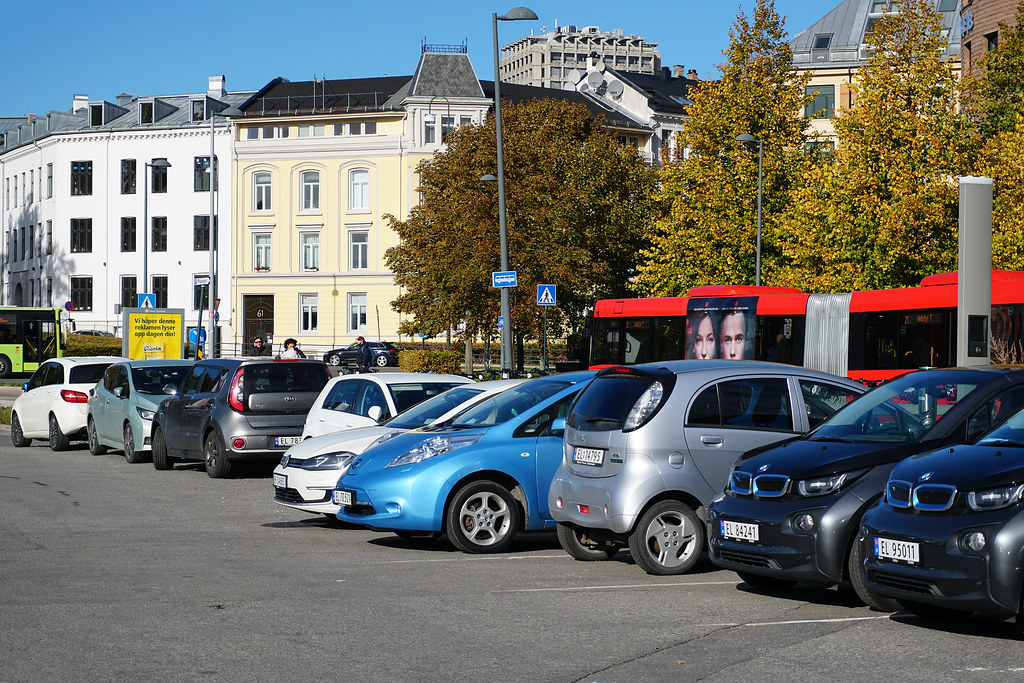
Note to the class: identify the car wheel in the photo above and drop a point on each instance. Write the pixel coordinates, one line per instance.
(668, 539)
(130, 454)
(17, 435)
(381, 361)
(5, 367)
(95, 447)
(58, 439)
(868, 596)
(766, 583)
(161, 461)
(581, 547)
(333, 359)
(934, 612)
(482, 518)
(217, 464)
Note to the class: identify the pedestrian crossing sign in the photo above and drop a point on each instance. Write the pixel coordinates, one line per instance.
(546, 295)
(147, 300)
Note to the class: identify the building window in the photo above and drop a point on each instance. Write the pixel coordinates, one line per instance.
(282, 131)
(261, 251)
(30, 187)
(146, 112)
(30, 241)
(359, 244)
(992, 40)
(159, 240)
(310, 251)
(428, 131)
(160, 290)
(310, 191)
(261, 187)
(369, 127)
(159, 178)
(316, 130)
(268, 132)
(81, 294)
(201, 233)
(465, 120)
(49, 237)
(822, 101)
(357, 312)
(198, 110)
(21, 249)
(127, 176)
(49, 291)
(447, 125)
(81, 178)
(81, 235)
(201, 179)
(200, 294)
(49, 181)
(359, 190)
(308, 312)
(128, 233)
(129, 291)
(252, 133)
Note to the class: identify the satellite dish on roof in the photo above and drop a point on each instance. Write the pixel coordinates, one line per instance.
(595, 79)
(574, 76)
(615, 89)
(584, 87)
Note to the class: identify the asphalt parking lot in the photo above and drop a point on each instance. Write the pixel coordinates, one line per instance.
(118, 572)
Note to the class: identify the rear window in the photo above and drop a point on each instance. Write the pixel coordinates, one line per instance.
(284, 377)
(604, 405)
(87, 374)
(412, 393)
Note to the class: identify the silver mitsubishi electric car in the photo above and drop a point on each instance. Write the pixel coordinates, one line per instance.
(648, 446)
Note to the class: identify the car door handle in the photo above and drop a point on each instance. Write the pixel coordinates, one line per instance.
(712, 440)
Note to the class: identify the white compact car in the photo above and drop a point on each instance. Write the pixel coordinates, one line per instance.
(55, 402)
(352, 401)
(310, 470)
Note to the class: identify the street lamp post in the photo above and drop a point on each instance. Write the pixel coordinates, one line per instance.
(747, 137)
(212, 287)
(158, 162)
(429, 118)
(515, 14)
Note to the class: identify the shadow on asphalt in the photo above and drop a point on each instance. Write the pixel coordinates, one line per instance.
(964, 625)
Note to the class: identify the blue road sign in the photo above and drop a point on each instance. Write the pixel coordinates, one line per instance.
(216, 317)
(147, 300)
(503, 278)
(201, 333)
(546, 295)
(501, 322)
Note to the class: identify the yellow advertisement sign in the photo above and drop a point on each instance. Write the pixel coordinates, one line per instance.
(154, 333)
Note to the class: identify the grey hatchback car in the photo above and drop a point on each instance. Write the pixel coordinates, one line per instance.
(231, 409)
(647, 447)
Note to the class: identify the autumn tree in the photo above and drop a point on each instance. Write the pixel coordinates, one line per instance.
(708, 235)
(885, 213)
(576, 205)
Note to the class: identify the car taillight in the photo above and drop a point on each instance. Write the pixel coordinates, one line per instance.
(236, 392)
(69, 396)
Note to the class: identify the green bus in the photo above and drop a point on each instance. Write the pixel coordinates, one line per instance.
(28, 336)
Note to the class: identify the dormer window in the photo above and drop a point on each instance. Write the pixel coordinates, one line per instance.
(820, 47)
(146, 112)
(96, 115)
(198, 110)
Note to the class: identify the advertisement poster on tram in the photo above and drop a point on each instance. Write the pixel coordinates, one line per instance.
(721, 328)
(154, 333)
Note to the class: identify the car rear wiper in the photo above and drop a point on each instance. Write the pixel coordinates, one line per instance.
(591, 420)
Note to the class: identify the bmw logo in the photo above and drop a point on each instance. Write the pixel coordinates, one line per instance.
(926, 476)
(763, 468)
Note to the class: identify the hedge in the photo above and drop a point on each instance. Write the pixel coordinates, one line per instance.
(429, 360)
(89, 345)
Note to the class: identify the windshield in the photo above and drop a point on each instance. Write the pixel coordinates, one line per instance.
(901, 410)
(509, 404)
(433, 408)
(153, 379)
(1010, 433)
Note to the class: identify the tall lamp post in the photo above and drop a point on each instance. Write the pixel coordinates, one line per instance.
(158, 162)
(747, 137)
(212, 287)
(515, 14)
(429, 118)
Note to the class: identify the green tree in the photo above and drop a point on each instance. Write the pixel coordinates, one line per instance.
(708, 235)
(884, 213)
(997, 95)
(576, 205)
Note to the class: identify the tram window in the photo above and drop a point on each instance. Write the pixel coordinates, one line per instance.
(879, 343)
(907, 339)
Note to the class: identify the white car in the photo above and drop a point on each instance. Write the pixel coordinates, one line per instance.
(55, 400)
(352, 401)
(310, 470)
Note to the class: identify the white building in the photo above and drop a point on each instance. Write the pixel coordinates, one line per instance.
(75, 205)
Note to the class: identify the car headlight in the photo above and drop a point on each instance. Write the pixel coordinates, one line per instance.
(434, 446)
(145, 414)
(822, 486)
(644, 407)
(993, 499)
(325, 461)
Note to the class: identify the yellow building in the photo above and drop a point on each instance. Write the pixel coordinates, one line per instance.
(317, 167)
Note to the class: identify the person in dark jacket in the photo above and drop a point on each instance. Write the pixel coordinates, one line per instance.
(363, 355)
(259, 348)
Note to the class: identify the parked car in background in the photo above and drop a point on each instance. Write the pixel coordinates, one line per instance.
(123, 402)
(480, 480)
(94, 333)
(309, 471)
(382, 354)
(793, 513)
(232, 409)
(947, 537)
(352, 401)
(54, 402)
(647, 447)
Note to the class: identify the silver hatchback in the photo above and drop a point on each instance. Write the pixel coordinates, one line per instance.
(648, 446)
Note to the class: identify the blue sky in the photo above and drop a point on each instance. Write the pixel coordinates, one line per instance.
(105, 47)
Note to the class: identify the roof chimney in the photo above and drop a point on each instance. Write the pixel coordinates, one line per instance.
(80, 102)
(677, 71)
(216, 89)
(124, 99)
(692, 75)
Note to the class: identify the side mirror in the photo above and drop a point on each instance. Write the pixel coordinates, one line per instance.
(558, 427)
(24, 387)
(374, 413)
(170, 390)
(118, 391)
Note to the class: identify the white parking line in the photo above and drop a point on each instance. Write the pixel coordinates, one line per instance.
(478, 558)
(569, 589)
(803, 621)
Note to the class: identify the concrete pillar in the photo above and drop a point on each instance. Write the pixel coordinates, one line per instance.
(974, 282)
